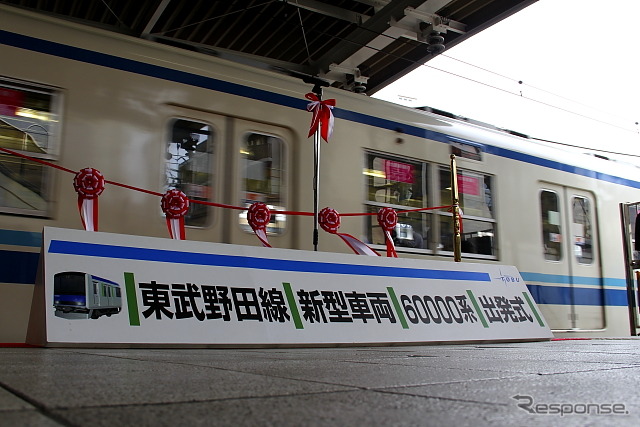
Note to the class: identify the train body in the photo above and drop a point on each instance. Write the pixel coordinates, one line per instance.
(79, 295)
(156, 117)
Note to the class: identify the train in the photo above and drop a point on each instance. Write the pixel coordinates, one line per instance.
(80, 295)
(156, 117)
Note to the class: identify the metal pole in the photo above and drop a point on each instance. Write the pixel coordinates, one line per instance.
(316, 173)
(455, 209)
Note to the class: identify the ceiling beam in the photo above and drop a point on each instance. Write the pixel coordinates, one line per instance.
(154, 18)
(328, 10)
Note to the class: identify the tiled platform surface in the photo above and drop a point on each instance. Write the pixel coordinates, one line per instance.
(437, 385)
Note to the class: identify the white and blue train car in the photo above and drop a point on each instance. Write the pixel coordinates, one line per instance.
(79, 295)
(156, 117)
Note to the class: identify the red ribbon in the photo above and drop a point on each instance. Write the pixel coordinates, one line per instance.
(322, 115)
(329, 220)
(388, 218)
(175, 205)
(89, 184)
(258, 217)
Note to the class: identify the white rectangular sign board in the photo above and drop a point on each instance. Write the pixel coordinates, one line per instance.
(101, 288)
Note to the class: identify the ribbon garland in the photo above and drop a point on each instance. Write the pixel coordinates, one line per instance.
(322, 115)
(387, 219)
(89, 184)
(175, 205)
(259, 217)
(329, 220)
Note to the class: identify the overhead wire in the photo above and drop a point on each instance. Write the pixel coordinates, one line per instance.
(536, 88)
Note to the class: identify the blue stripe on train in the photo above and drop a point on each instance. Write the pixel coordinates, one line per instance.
(20, 238)
(18, 267)
(561, 295)
(576, 280)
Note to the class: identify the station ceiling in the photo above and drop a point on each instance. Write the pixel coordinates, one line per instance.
(356, 45)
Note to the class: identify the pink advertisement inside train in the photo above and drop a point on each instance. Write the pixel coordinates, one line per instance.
(399, 172)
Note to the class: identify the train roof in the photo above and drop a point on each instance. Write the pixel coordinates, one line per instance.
(357, 45)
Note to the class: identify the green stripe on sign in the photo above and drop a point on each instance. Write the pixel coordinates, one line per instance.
(132, 299)
(292, 306)
(477, 307)
(396, 304)
(533, 308)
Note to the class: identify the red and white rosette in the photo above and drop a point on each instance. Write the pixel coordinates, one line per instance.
(89, 184)
(329, 220)
(175, 205)
(322, 115)
(388, 218)
(258, 217)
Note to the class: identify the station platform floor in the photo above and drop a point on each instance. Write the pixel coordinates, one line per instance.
(559, 382)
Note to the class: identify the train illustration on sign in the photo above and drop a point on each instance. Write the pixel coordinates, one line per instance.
(78, 295)
(156, 117)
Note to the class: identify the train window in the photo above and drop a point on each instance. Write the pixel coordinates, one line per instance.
(263, 180)
(551, 226)
(466, 149)
(475, 192)
(29, 125)
(582, 230)
(401, 184)
(190, 151)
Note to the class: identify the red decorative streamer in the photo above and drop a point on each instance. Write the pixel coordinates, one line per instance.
(175, 205)
(259, 217)
(322, 115)
(89, 184)
(329, 220)
(388, 218)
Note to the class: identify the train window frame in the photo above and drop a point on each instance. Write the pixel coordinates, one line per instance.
(278, 224)
(482, 215)
(190, 188)
(24, 100)
(582, 232)
(557, 222)
(465, 149)
(406, 239)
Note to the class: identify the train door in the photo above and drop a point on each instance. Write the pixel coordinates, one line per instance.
(95, 293)
(258, 170)
(571, 254)
(585, 269)
(630, 214)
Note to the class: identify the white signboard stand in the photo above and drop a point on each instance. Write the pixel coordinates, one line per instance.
(101, 289)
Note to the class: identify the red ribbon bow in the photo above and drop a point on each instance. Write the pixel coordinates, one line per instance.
(258, 217)
(322, 115)
(175, 205)
(89, 184)
(388, 218)
(329, 220)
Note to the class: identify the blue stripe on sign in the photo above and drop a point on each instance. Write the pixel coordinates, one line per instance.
(562, 295)
(195, 258)
(20, 238)
(137, 67)
(18, 267)
(576, 280)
